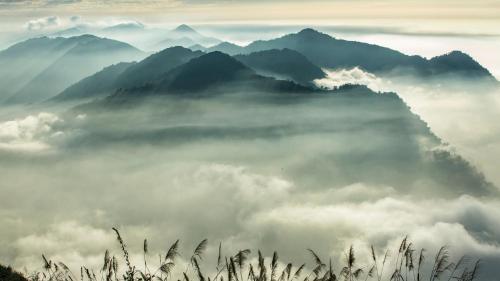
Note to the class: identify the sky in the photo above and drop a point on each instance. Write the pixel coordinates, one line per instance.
(238, 10)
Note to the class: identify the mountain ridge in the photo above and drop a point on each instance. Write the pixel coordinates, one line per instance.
(329, 52)
(77, 58)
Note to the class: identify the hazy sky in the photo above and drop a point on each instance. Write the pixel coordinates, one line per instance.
(217, 10)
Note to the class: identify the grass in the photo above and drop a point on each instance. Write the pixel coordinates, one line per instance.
(406, 265)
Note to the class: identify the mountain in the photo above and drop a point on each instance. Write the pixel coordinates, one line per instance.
(283, 64)
(205, 72)
(42, 67)
(71, 32)
(112, 78)
(186, 36)
(184, 29)
(23, 61)
(98, 84)
(212, 73)
(225, 47)
(329, 52)
(458, 63)
(154, 66)
(402, 151)
(125, 27)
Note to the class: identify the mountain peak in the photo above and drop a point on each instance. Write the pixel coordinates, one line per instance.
(184, 28)
(310, 31)
(457, 61)
(125, 26)
(205, 71)
(312, 34)
(218, 60)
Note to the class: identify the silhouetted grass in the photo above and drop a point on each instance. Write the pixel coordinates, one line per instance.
(405, 267)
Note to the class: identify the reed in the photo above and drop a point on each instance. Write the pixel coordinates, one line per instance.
(238, 267)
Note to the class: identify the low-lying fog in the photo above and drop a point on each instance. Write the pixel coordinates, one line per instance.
(267, 173)
(270, 173)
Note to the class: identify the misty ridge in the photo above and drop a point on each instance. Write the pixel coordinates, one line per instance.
(244, 144)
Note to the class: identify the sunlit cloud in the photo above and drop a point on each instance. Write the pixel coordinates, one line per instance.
(31, 133)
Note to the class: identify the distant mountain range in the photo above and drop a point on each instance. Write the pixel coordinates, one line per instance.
(186, 36)
(158, 68)
(283, 64)
(39, 68)
(206, 75)
(110, 79)
(329, 52)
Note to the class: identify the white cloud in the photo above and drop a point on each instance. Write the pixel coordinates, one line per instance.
(336, 78)
(31, 133)
(43, 23)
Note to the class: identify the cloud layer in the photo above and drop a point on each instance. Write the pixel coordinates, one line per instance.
(32, 133)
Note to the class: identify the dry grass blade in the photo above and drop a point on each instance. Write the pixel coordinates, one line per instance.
(173, 251)
(317, 260)
(198, 270)
(241, 257)
(288, 270)
(374, 257)
(219, 256)
(106, 260)
(440, 263)
(274, 266)
(124, 250)
(167, 268)
(47, 264)
(298, 272)
(200, 249)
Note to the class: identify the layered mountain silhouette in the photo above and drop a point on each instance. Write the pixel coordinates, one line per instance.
(125, 27)
(329, 52)
(209, 74)
(185, 36)
(110, 79)
(283, 64)
(40, 68)
(101, 83)
(225, 47)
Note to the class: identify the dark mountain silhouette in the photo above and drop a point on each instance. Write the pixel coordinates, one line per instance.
(329, 52)
(185, 36)
(209, 74)
(283, 64)
(43, 67)
(155, 66)
(8, 274)
(204, 72)
(459, 63)
(110, 79)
